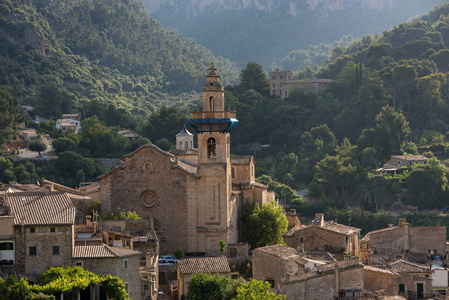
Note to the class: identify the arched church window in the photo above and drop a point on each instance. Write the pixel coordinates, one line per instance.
(211, 147)
(186, 144)
(211, 104)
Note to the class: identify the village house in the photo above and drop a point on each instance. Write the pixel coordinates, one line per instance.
(297, 276)
(282, 83)
(403, 278)
(43, 226)
(417, 243)
(120, 262)
(398, 161)
(189, 266)
(324, 235)
(195, 196)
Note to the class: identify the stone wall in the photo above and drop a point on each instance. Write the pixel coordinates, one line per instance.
(379, 280)
(44, 240)
(268, 267)
(6, 225)
(315, 237)
(427, 238)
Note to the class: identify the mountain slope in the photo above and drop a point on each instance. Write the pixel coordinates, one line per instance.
(109, 50)
(266, 31)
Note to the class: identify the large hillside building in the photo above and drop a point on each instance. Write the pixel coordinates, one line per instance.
(195, 196)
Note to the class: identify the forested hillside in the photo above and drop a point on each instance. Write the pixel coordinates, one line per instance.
(266, 31)
(390, 97)
(106, 50)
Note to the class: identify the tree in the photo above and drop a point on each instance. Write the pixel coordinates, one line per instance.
(10, 114)
(37, 146)
(254, 78)
(204, 286)
(256, 290)
(391, 130)
(63, 144)
(264, 226)
(222, 247)
(51, 101)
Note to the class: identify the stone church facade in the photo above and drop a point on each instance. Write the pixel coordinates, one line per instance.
(195, 196)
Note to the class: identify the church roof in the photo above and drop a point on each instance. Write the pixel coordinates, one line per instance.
(204, 264)
(184, 132)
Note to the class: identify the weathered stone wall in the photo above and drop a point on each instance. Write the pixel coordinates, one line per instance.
(314, 237)
(6, 225)
(43, 240)
(389, 239)
(427, 238)
(242, 173)
(116, 267)
(268, 267)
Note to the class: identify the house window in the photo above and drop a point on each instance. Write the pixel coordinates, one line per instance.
(211, 104)
(125, 264)
(211, 147)
(79, 264)
(274, 77)
(274, 85)
(52, 229)
(233, 172)
(180, 144)
(55, 250)
(232, 252)
(145, 287)
(32, 230)
(7, 246)
(281, 77)
(127, 288)
(32, 251)
(401, 287)
(301, 240)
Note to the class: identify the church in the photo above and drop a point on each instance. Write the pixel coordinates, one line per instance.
(195, 196)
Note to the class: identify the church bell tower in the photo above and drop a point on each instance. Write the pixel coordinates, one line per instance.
(213, 125)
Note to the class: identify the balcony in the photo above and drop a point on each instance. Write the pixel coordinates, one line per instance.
(213, 114)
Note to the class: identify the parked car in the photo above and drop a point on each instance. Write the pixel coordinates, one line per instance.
(163, 262)
(167, 257)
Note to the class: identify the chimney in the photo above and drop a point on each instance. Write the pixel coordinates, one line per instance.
(319, 219)
(390, 225)
(47, 189)
(402, 222)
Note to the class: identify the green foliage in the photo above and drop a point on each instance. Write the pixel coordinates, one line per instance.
(37, 146)
(10, 115)
(179, 254)
(111, 51)
(206, 286)
(254, 78)
(264, 226)
(255, 290)
(222, 247)
(120, 215)
(58, 280)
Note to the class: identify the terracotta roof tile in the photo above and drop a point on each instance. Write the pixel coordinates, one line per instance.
(101, 251)
(281, 251)
(408, 267)
(42, 208)
(211, 265)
